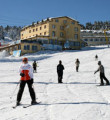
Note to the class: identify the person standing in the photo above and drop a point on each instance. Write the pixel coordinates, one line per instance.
(77, 64)
(96, 57)
(26, 73)
(60, 69)
(34, 66)
(102, 74)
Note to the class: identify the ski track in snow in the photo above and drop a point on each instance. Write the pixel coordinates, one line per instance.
(77, 98)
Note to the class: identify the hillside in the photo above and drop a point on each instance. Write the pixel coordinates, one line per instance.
(78, 98)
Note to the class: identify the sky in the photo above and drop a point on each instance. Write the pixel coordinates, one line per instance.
(24, 12)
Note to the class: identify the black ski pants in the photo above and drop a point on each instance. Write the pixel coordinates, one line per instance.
(34, 69)
(60, 76)
(21, 89)
(102, 76)
(77, 67)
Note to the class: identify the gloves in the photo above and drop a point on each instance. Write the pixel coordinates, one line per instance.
(31, 80)
(22, 74)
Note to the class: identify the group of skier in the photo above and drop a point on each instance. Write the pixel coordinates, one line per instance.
(26, 73)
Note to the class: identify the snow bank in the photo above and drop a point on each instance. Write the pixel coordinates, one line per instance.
(3, 54)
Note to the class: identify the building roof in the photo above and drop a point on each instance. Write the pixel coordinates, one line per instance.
(50, 18)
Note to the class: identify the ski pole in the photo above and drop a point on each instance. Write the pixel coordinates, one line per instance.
(14, 91)
(95, 78)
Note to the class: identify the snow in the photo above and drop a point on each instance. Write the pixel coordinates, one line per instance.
(78, 98)
(3, 54)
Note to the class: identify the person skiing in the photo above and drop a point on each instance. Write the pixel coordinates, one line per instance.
(102, 74)
(96, 57)
(26, 73)
(77, 64)
(34, 66)
(60, 69)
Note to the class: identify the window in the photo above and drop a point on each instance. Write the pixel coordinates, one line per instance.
(55, 42)
(45, 42)
(40, 28)
(40, 33)
(56, 20)
(76, 36)
(96, 39)
(44, 26)
(29, 31)
(72, 22)
(51, 41)
(77, 43)
(91, 39)
(76, 29)
(34, 48)
(86, 39)
(71, 43)
(33, 30)
(65, 21)
(61, 34)
(53, 33)
(53, 26)
(44, 33)
(61, 27)
(101, 39)
(36, 29)
(26, 47)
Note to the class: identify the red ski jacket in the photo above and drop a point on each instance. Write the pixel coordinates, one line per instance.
(27, 70)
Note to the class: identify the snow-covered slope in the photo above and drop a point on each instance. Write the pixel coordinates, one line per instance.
(78, 98)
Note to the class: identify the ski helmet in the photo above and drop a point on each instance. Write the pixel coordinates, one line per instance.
(24, 59)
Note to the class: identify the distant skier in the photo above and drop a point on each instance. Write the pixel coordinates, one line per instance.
(96, 57)
(26, 73)
(34, 66)
(77, 64)
(102, 74)
(60, 69)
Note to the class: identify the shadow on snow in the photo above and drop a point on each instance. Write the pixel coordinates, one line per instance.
(47, 83)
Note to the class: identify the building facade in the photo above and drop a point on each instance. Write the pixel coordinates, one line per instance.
(55, 31)
(95, 37)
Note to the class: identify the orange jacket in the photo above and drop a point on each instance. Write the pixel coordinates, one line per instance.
(27, 70)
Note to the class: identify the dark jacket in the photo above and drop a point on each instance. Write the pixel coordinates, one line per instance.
(60, 68)
(77, 63)
(34, 65)
(101, 69)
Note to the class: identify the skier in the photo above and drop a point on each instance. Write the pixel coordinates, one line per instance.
(26, 73)
(60, 69)
(96, 57)
(77, 64)
(102, 74)
(34, 66)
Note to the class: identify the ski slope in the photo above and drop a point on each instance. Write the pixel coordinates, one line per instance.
(78, 98)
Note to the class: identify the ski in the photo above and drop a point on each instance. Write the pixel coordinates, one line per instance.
(101, 85)
(15, 106)
(26, 106)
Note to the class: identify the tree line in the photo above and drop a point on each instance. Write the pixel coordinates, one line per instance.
(13, 32)
(97, 25)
